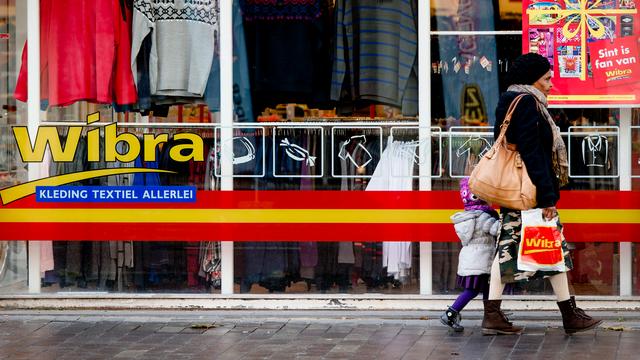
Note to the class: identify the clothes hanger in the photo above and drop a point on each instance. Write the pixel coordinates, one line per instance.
(466, 147)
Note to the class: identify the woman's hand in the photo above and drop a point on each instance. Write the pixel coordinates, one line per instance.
(549, 212)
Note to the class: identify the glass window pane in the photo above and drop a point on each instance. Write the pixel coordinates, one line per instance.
(13, 254)
(325, 70)
(159, 88)
(13, 267)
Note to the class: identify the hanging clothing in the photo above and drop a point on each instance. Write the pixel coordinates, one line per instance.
(182, 43)
(85, 47)
(210, 258)
(394, 172)
(288, 43)
(376, 53)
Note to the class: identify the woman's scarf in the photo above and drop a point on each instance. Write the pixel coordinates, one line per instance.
(559, 153)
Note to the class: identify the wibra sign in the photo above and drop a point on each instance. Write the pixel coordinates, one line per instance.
(190, 148)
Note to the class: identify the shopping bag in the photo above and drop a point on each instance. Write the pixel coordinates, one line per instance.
(540, 243)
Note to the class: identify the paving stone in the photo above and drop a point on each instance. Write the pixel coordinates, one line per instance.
(272, 325)
(170, 329)
(217, 331)
(130, 354)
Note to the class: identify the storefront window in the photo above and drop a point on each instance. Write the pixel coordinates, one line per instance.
(90, 76)
(325, 99)
(333, 87)
(13, 254)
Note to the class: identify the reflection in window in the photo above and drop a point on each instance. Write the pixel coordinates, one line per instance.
(503, 15)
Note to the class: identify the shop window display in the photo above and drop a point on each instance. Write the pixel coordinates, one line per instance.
(124, 70)
(304, 74)
(301, 61)
(330, 63)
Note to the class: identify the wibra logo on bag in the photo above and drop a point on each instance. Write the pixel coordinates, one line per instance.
(542, 245)
(191, 148)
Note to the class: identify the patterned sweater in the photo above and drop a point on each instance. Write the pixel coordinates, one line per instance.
(183, 42)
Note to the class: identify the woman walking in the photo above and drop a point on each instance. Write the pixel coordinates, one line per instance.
(541, 148)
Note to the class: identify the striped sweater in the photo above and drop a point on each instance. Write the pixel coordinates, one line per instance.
(376, 53)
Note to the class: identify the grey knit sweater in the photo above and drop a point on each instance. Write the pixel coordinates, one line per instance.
(183, 40)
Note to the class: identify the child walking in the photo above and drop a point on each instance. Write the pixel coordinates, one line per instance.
(477, 227)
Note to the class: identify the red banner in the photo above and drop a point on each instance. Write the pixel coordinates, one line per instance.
(588, 216)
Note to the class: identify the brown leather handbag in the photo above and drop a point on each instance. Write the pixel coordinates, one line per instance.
(500, 177)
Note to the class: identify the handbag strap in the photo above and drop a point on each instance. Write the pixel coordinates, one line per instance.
(507, 118)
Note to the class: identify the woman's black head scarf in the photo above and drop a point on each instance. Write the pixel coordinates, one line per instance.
(527, 69)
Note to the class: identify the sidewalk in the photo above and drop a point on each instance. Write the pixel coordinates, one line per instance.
(303, 335)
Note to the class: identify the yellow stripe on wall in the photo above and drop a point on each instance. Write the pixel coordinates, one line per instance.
(367, 216)
(606, 216)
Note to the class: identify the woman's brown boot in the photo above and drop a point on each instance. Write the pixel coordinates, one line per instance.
(575, 319)
(495, 322)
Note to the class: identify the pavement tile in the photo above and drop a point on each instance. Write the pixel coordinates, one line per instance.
(346, 348)
(154, 339)
(262, 333)
(272, 325)
(217, 331)
(243, 329)
(193, 330)
(130, 354)
(170, 329)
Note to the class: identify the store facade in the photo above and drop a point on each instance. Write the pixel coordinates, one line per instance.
(305, 150)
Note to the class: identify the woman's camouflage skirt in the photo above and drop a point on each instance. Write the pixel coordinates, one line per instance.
(508, 242)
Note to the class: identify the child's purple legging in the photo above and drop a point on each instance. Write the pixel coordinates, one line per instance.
(466, 296)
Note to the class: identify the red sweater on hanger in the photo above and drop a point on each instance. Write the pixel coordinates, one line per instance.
(85, 53)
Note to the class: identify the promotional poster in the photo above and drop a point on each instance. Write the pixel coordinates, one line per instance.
(592, 46)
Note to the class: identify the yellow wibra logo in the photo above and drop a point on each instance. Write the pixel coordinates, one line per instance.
(191, 148)
(539, 245)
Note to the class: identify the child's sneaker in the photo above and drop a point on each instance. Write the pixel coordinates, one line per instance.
(452, 318)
